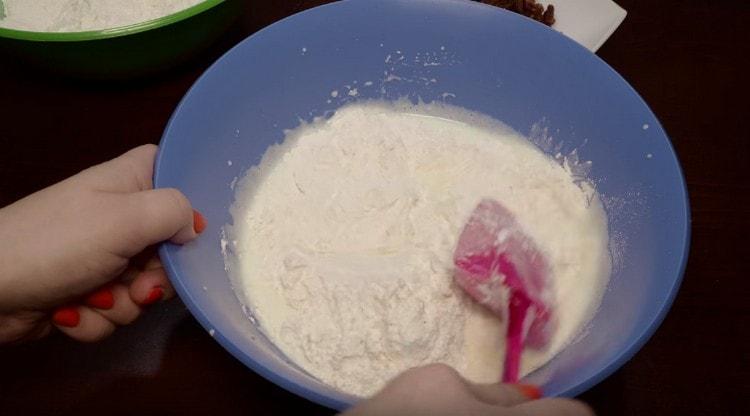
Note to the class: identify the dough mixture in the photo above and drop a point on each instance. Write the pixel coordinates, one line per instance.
(344, 236)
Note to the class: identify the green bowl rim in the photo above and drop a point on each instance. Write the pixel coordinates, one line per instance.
(112, 32)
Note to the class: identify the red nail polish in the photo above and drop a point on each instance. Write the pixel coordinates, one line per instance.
(529, 390)
(102, 299)
(66, 316)
(199, 222)
(154, 296)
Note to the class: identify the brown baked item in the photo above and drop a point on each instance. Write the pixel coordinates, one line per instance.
(528, 8)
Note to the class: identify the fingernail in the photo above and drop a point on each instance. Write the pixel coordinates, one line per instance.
(101, 299)
(154, 296)
(529, 390)
(67, 317)
(199, 222)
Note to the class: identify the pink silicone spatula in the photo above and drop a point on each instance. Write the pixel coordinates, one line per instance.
(500, 267)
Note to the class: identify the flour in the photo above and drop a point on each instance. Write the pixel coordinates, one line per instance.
(344, 239)
(83, 15)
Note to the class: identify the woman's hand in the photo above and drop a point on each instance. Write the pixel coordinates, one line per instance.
(438, 390)
(76, 255)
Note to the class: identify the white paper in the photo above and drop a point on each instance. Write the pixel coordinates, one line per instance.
(588, 22)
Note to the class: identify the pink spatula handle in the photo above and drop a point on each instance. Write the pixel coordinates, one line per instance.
(518, 308)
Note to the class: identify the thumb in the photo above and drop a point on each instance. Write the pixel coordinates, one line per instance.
(158, 215)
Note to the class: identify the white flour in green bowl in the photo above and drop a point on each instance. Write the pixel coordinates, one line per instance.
(85, 15)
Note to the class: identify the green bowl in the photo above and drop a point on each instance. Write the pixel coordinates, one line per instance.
(124, 52)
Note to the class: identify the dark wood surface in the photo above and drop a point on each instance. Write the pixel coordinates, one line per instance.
(687, 58)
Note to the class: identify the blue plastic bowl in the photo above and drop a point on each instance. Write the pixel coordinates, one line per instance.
(470, 55)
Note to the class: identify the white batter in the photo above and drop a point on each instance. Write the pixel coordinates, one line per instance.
(82, 15)
(344, 237)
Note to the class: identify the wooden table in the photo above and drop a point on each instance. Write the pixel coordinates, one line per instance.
(687, 58)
